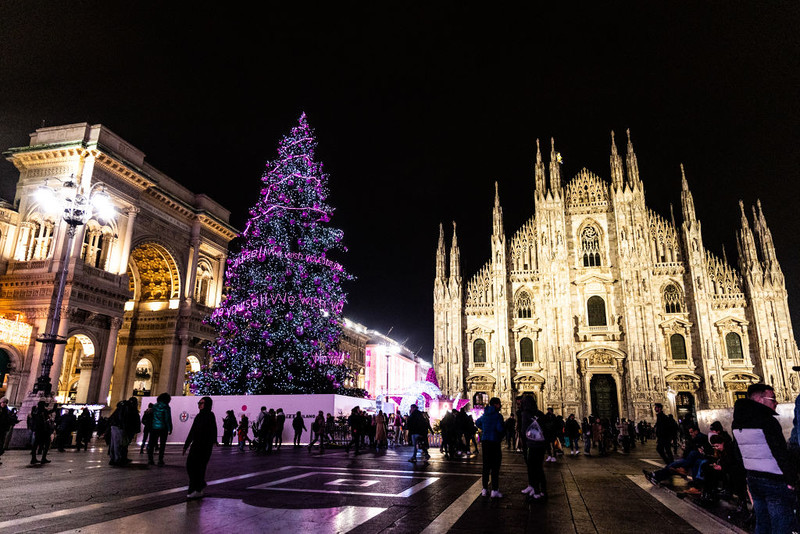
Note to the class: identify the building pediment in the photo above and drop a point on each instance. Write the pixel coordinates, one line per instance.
(731, 321)
(675, 323)
(481, 380)
(479, 330)
(526, 328)
(596, 278)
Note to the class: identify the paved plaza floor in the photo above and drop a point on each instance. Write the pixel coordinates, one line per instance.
(295, 491)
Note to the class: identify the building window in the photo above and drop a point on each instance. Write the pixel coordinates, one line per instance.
(526, 350)
(479, 352)
(734, 344)
(523, 306)
(596, 308)
(590, 247)
(678, 346)
(672, 299)
(202, 283)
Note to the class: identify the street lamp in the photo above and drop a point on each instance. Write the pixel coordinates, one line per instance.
(76, 209)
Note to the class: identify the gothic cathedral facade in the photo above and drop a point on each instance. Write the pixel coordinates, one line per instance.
(598, 305)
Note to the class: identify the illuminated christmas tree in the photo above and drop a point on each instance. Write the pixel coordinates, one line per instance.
(279, 326)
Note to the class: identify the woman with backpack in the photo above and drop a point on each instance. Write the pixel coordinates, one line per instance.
(535, 445)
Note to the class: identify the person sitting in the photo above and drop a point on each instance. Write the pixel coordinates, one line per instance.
(696, 449)
(726, 475)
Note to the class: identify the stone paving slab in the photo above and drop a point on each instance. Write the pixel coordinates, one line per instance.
(297, 491)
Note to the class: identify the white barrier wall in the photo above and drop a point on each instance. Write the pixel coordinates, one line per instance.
(184, 410)
(725, 416)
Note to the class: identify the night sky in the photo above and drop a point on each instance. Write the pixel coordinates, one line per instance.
(419, 110)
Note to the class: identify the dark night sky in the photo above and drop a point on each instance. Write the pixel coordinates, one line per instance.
(418, 110)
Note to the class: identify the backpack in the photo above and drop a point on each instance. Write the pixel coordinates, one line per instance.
(534, 432)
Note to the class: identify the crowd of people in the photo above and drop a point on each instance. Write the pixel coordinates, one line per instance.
(749, 463)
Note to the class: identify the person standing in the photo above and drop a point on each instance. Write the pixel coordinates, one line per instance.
(586, 430)
(200, 442)
(147, 425)
(64, 431)
(511, 432)
(8, 418)
(533, 449)
(356, 422)
(380, 431)
(280, 423)
(318, 432)
(664, 434)
(161, 428)
(42, 429)
(229, 425)
(133, 424)
(242, 431)
(85, 426)
(771, 474)
(417, 430)
(299, 426)
(572, 430)
(492, 427)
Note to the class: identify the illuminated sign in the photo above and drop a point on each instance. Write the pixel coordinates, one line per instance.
(15, 332)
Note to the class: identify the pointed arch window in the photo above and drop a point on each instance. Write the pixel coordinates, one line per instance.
(733, 342)
(678, 347)
(526, 350)
(673, 303)
(596, 311)
(590, 247)
(523, 305)
(479, 352)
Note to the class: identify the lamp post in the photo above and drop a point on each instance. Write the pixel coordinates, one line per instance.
(76, 209)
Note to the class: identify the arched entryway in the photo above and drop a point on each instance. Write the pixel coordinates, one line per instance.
(5, 363)
(603, 390)
(76, 369)
(192, 366)
(143, 378)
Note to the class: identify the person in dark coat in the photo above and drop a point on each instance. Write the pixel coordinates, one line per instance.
(7, 421)
(200, 442)
(42, 430)
(64, 431)
(229, 424)
(534, 450)
(511, 432)
(160, 428)
(280, 423)
(85, 428)
(573, 430)
(665, 432)
(147, 425)
(298, 425)
(492, 429)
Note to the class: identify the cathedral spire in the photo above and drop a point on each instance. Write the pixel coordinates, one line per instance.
(748, 257)
(765, 237)
(541, 185)
(687, 202)
(633, 163)
(555, 169)
(672, 215)
(617, 172)
(441, 256)
(455, 257)
(724, 254)
(497, 213)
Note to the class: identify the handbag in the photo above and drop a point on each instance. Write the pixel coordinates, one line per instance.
(534, 432)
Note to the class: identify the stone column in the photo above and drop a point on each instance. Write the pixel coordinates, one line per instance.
(125, 251)
(219, 280)
(191, 269)
(58, 353)
(108, 362)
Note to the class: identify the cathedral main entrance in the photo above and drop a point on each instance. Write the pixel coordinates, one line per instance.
(604, 397)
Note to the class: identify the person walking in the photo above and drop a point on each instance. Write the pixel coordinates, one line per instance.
(147, 425)
(242, 431)
(115, 435)
(200, 442)
(161, 427)
(665, 433)
(534, 447)
(318, 432)
(132, 425)
(771, 473)
(299, 426)
(417, 430)
(492, 427)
